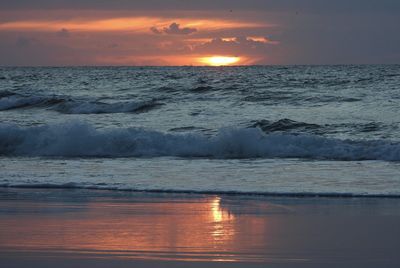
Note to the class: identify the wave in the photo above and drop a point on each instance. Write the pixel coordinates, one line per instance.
(101, 186)
(5, 93)
(10, 100)
(292, 126)
(283, 125)
(201, 89)
(78, 139)
(90, 107)
(274, 96)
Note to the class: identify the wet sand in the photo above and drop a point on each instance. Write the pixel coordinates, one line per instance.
(88, 228)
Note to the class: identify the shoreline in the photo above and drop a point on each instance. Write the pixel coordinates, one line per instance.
(74, 186)
(83, 228)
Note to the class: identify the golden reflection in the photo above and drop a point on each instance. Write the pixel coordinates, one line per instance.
(180, 229)
(222, 219)
(219, 214)
(219, 60)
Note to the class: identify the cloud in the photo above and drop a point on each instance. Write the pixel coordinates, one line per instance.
(155, 30)
(174, 29)
(314, 6)
(113, 45)
(323, 32)
(235, 46)
(25, 41)
(63, 33)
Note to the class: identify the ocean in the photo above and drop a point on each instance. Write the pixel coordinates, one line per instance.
(265, 130)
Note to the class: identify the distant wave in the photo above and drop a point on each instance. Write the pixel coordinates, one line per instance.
(72, 185)
(10, 100)
(284, 125)
(87, 107)
(288, 125)
(77, 139)
(5, 93)
(274, 97)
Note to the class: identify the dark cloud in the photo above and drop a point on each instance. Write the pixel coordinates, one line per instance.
(155, 30)
(174, 28)
(314, 6)
(24, 41)
(113, 45)
(31, 51)
(236, 46)
(63, 33)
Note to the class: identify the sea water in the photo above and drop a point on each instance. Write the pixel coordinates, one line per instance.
(286, 130)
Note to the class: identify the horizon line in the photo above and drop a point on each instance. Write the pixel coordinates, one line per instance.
(196, 66)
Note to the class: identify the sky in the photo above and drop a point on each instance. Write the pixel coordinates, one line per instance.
(198, 32)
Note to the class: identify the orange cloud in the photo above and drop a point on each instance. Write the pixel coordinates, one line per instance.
(174, 28)
(118, 38)
(137, 24)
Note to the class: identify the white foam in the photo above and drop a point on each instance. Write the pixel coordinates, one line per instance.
(77, 139)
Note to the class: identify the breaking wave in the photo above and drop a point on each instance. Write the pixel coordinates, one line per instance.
(10, 100)
(77, 139)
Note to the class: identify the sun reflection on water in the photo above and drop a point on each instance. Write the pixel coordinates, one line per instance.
(218, 213)
(223, 229)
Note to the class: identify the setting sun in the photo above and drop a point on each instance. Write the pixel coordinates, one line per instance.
(219, 60)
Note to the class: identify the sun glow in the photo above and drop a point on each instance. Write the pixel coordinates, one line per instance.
(219, 60)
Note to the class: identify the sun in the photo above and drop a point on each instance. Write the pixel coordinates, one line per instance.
(219, 60)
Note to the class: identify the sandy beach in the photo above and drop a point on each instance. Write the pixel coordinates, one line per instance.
(88, 228)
